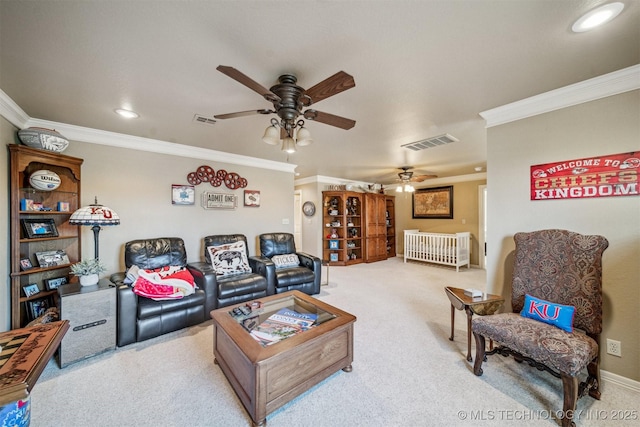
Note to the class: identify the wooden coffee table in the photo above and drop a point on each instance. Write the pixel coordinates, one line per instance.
(267, 377)
(25, 353)
(482, 306)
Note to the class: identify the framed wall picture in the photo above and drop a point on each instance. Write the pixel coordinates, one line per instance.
(55, 283)
(30, 290)
(52, 258)
(37, 228)
(183, 194)
(25, 264)
(436, 203)
(37, 307)
(252, 198)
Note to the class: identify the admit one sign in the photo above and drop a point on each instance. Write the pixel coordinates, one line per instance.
(605, 176)
(219, 201)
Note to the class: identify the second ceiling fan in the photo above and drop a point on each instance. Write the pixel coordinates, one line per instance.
(406, 176)
(289, 100)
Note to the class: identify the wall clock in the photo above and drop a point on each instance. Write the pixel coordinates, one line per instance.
(308, 208)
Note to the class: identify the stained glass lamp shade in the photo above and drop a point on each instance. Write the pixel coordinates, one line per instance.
(95, 216)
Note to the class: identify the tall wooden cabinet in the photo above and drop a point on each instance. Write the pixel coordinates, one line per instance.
(60, 245)
(342, 213)
(357, 227)
(375, 227)
(390, 218)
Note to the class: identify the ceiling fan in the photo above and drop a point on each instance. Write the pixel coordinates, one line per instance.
(406, 176)
(289, 100)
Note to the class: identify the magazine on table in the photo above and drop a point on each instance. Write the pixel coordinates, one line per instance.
(281, 325)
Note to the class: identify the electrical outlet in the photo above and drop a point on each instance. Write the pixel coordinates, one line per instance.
(614, 347)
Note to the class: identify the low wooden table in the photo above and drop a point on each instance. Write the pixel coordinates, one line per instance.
(25, 353)
(482, 306)
(267, 377)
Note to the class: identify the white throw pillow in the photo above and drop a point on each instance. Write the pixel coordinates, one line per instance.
(287, 260)
(229, 259)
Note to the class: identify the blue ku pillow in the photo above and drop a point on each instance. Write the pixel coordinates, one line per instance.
(558, 315)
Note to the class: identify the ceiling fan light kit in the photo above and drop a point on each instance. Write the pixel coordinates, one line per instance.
(288, 100)
(289, 145)
(407, 188)
(272, 134)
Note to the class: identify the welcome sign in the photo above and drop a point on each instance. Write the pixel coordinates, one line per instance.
(605, 176)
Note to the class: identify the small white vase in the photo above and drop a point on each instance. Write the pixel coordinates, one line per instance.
(89, 280)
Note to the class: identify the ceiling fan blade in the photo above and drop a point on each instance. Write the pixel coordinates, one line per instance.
(421, 178)
(335, 84)
(329, 119)
(248, 82)
(242, 114)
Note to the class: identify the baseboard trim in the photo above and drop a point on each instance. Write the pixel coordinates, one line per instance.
(620, 380)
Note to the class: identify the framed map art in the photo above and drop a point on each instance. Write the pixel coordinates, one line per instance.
(436, 203)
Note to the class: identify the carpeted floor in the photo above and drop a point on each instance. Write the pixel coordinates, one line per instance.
(406, 372)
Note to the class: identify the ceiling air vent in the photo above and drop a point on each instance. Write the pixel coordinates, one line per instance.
(198, 118)
(431, 142)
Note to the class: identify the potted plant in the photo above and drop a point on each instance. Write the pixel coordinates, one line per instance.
(87, 271)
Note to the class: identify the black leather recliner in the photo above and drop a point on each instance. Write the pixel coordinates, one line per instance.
(237, 288)
(140, 318)
(305, 277)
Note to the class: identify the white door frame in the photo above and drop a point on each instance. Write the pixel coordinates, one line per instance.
(482, 225)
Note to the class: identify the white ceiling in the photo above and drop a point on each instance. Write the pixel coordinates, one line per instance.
(422, 68)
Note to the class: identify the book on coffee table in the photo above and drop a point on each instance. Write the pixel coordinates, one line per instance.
(473, 293)
(281, 325)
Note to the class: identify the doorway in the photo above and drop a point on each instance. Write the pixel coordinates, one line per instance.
(482, 226)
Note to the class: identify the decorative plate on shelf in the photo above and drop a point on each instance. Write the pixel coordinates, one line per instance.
(308, 208)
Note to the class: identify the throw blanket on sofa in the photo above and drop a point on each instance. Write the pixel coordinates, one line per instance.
(164, 284)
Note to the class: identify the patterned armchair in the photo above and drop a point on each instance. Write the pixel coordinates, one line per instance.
(561, 267)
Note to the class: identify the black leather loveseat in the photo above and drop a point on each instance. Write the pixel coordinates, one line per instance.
(140, 318)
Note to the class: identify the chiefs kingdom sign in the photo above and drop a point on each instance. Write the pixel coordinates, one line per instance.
(603, 176)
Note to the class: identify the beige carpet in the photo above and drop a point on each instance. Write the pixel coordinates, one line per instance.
(406, 372)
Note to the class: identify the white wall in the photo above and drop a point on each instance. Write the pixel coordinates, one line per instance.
(312, 226)
(606, 126)
(137, 185)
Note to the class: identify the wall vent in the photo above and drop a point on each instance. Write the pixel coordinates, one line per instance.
(199, 118)
(431, 142)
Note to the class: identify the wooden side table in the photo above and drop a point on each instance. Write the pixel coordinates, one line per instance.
(482, 306)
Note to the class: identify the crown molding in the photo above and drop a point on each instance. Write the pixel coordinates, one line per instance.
(610, 84)
(17, 117)
(320, 179)
(12, 111)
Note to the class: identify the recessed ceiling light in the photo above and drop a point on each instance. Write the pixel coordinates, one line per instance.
(127, 113)
(597, 17)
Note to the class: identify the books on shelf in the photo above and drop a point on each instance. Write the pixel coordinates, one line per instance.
(281, 325)
(473, 293)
